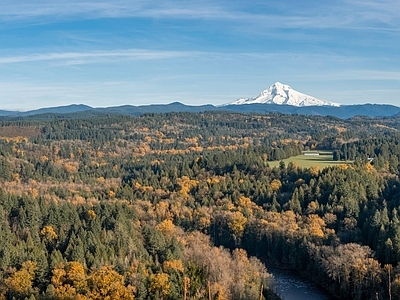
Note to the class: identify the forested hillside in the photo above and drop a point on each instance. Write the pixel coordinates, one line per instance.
(165, 206)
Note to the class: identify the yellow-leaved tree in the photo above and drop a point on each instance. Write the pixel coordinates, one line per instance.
(20, 282)
(276, 184)
(167, 228)
(48, 233)
(159, 285)
(106, 284)
(237, 224)
(69, 280)
(315, 225)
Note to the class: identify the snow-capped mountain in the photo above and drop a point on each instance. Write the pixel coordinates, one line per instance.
(283, 94)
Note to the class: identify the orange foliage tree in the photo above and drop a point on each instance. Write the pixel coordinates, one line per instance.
(20, 282)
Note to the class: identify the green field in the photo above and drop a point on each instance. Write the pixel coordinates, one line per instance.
(324, 159)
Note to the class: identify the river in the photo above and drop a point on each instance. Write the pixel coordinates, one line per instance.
(291, 286)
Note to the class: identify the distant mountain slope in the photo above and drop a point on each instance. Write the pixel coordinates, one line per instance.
(155, 108)
(82, 111)
(73, 108)
(67, 109)
(343, 112)
(6, 112)
(283, 94)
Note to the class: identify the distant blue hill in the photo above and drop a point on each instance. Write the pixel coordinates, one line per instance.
(73, 108)
(343, 112)
(6, 113)
(155, 108)
(68, 109)
(81, 110)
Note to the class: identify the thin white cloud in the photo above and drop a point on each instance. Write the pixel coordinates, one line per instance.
(329, 15)
(365, 95)
(382, 11)
(362, 75)
(350, 63)
(375, 75)
(353, 14)
(23, 10)
(93, 56)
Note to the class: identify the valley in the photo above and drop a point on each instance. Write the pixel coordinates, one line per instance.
(174, 205)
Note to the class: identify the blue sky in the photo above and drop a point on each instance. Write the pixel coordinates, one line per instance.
(115, 52)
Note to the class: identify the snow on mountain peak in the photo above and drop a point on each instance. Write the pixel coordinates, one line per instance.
(283, 94)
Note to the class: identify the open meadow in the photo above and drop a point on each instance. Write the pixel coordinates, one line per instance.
(308, 159)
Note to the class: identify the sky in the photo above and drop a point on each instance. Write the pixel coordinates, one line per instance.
(114, 52)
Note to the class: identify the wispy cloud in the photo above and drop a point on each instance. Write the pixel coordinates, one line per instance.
(99, 56)
(21, 10)
(351, 75)
(94, 56)
(373, 75)
(345, 14)
(232, 47)
(363, 95)
(385, 11)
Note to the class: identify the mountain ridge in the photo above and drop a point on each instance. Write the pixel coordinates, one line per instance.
(81, 110)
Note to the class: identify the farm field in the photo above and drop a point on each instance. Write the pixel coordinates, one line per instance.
(324, 159)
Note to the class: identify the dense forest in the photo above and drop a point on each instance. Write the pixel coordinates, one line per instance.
(187, 206)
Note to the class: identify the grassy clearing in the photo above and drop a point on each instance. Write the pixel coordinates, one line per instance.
(323, 160)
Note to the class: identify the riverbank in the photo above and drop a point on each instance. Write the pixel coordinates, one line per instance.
(289, 285)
